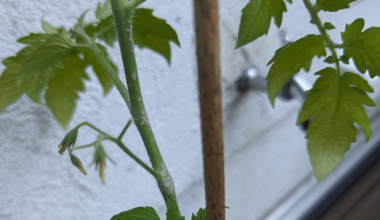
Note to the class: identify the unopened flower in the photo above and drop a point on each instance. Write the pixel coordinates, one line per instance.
(100, 160)
(101, 170)
(76, 162)
(68, 141)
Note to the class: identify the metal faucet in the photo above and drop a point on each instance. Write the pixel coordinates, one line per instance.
(295, 88)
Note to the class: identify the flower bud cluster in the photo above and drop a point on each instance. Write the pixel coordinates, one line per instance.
(67, 142)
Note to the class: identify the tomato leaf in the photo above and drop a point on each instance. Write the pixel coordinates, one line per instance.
(332, 5)
(148, 31)
(101, 73)
(363, 47)
(103, 11)
(334, 104)
(329, 26)
(62, 94)
(344, 59)
(256, 18)
(289, 60)
(43, 54)
(153, 33)
(201, 215)
(9, 90)
(48, 28)
(106, 30)
(329, 59)
(139, 213)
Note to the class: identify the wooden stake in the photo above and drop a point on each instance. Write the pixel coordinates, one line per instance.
(207, 32)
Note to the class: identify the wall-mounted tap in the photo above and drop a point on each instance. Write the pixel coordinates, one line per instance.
(295, 88)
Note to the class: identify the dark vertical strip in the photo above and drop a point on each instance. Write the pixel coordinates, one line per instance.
(207, 33)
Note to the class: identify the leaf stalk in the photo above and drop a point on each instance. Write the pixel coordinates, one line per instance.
(330, 44)
(107, 66)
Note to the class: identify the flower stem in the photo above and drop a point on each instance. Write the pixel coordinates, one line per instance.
(121, 145)
(124, 130)
(122, 11)
(84, 146)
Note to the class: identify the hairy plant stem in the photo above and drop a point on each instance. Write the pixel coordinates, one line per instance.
(330, 44)
(119, 143)
(122, 12)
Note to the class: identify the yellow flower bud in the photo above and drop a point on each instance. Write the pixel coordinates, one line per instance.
(76, 162)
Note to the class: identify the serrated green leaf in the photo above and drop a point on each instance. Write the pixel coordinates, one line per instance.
(44, 56)
(89, 30)
(139, 213)
(148, 32)
(333, 104)
(201, 215)
(34, 87)
(329, 26)
(153, 33)
(363, 47)
(332, 5)
(144, 23)
(357, 81)
(156, 44)
(36, 39)
(289, 60)
(10, 92)
(172, 211)
(62, 94)
(344, 60)
(329, 59)
(106, 30)
(48, 28)
(101, 73)
(256, 18)
(103, 11)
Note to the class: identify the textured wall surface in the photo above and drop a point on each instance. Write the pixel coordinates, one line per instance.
(265, 152)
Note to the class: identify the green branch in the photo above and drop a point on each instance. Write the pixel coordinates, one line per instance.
(106, 65)
(135, 158)
(84, 146)
(122, 11)
(119, 143)
(94, 128)
(330, 44)
(124, 130)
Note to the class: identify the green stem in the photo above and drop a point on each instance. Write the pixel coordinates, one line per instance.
(95, 128)
(124, 130)
(330, 44)
(122, 11)
(107, 66)
(135, 158)
(84, 146)
(338, 46)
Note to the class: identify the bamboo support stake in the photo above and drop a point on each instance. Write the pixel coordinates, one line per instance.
(207, 33)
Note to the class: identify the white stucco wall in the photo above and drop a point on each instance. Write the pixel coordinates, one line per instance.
(265, 152)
